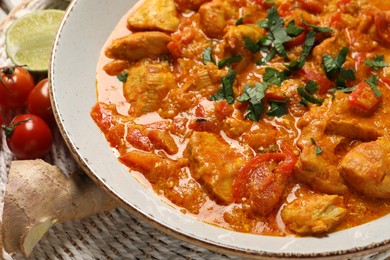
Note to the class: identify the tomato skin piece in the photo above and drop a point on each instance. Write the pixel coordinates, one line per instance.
(28, 137)
(262, 180)
(16, 85)
(363, 99)
(38, 102)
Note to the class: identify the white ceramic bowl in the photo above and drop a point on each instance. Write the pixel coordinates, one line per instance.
(84, 30)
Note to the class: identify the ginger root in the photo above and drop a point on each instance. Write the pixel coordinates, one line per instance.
(38, 195)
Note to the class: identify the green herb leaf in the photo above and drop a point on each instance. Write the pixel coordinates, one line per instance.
(344, 90)
(373, 82)
(251, 45)
(377, 63)
(280, 49)
(278, 108)
(254, 95)
(341, 57)
(265, 41)
(207, 55)
(318, 28)
(318, 149)
(307, 47)
(309, 98)
(123, 76)
(348, 74)
(229, 60)
(311, 87)
(273, 76)
(263, 24)
(293, 30)
(226, 91)
(267, 58)
(329, 65)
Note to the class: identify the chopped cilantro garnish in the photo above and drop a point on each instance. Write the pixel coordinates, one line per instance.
(377, 63)
(254, 95)
(229, 60)
(293, 30)
(318, 28)
(373, 82)
(343, 89)
(226, 90)
(307, 47)
(123, 76)
(306, 96)
(265, 42)
(331, 65)
(207, 55)
(273, 76)
(279, 47)
(267, 58)
(251, 45)
(333, 68)
(278, 108)
(318, 149)
(263, 24)
(311, 87)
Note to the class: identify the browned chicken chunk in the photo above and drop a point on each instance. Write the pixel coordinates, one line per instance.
(214, 163)
(154, 15)
(213, 17)
(146, 86)
(318, 172)
(137, 46)
(367, 168)
(314, 214)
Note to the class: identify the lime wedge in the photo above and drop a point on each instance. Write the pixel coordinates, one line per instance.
(30, 38)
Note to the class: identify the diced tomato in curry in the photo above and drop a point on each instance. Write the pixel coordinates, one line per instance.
(266, 117)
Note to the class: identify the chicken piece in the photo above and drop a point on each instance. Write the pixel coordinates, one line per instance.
(213, 17)
(319, 172)
(137, 46)
(184, 5)
(343, 121)
(262, 139)
(214, 164)
(158, 15)
(366, 168)
(115, 67)
(166, 176)
(163, 140)
(152, 166)
(236, 35)
(146, 86)
(314, 214)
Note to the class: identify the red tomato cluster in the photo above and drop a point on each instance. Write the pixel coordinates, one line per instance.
(28, 134)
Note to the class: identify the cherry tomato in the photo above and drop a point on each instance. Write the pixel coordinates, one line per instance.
(28, 137)
(38, 102)
(15, 86)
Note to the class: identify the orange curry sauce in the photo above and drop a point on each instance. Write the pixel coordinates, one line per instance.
(256, 145)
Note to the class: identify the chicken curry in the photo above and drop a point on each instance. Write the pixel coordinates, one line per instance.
(262, 116)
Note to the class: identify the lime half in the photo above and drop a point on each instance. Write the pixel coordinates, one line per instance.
(30, 38)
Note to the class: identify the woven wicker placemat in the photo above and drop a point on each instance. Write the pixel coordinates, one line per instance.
(111, 235)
